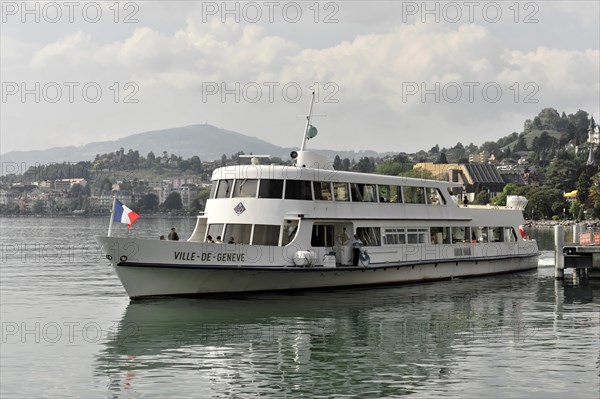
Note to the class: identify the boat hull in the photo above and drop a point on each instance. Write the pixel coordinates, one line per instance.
(145, 280)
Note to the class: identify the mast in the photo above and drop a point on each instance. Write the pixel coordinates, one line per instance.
(312, 101)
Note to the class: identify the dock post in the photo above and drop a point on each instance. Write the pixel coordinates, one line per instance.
(559, 260)
(576, 231)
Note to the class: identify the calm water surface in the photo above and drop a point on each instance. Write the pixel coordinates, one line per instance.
(69, 330)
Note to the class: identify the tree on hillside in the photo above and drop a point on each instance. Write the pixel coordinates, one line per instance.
(418, 173)
(148, 202)
(544, 202)
(345, 164)
(509, 189)
(594, 197)
(173, 201)
(489, 147)
(584, 184)
(337, 163)
(580, 120)
(442, 159)
(521, 144)
(563, 175)
(482, 197)
(549, 118)
(472, 148)
(365, 165)
(196, 164)
(391, 168)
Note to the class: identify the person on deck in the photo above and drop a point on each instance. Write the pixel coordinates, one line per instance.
(173, 236)
(356, 245)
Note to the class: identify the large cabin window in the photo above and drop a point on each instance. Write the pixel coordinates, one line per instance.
(363, 192)
(510, 235)
(384, 193)
(370, 236)
(213, 189)
(270, 189)
(389, 194)
(340, 191)
(394, 236)
(440, 235)
(224, 190)
(290, 228)
(461, 234)
(417, 236)
(238, 233)
(413, 195)
(245, 188)
(215, 230)
(298, 190)
(395, 194)
(480, 234)
(322, 191)
(266, 234)
(497, 234)
(322, 236)
(434, 196)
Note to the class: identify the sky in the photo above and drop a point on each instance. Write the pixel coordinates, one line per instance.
(396, 76)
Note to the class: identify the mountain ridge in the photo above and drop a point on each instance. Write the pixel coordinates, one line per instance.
(204, 140)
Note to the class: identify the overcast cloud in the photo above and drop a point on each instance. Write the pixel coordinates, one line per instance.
(485, 66)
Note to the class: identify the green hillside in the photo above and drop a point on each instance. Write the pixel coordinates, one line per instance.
(533, 134)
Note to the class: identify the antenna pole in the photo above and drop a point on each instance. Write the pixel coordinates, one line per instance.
(312, 101)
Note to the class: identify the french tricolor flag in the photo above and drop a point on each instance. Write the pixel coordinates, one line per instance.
(123, 214)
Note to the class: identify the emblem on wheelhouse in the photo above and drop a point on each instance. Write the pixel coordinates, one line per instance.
(308, 226)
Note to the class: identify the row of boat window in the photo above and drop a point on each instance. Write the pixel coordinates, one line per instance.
(325, 191)
(323, 235)
(372, 236)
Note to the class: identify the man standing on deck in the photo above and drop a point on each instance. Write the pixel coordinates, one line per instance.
(356, 245)
(173, 236)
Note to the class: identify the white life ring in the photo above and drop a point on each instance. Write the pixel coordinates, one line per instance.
(364, 258)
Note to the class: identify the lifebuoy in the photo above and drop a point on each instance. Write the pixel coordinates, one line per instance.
(364, 258)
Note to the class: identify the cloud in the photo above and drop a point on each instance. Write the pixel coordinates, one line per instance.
(371, 73)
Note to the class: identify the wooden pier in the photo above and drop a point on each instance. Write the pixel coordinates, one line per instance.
(583, 256)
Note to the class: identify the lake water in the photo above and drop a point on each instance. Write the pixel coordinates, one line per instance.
(69, 330)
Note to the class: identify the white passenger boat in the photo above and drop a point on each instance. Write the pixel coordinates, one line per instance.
(292, 229)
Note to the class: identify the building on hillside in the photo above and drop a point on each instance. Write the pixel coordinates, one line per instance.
(103, 203)
(593, 140)
(8, 197)
(66, 184)
(438, 170)
(188, 193)
(476, 178)
(482, 157)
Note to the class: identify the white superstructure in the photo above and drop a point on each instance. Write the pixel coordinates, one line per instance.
(292, 228)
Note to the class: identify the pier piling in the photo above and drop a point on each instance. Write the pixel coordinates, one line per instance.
(559, 260)
(582, 255)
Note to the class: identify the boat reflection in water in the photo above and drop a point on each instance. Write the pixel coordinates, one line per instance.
(367, 342)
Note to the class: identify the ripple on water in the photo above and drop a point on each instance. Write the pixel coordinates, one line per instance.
(522, 335)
